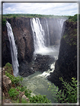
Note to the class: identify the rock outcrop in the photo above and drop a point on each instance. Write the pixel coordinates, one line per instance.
(23, 38)
(6, 84)
(42, 62)
(24, 69)
(22, 31)
(66, 65)
(6, 53)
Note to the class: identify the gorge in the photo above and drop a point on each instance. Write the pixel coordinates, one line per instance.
(39, 41)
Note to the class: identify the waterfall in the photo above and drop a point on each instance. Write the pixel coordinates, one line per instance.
(48, 33)
(38, 35)
(42, 39)
(13, 49)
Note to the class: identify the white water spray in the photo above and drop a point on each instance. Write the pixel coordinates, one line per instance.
(38, 35)
(40, 38)
(13, 49)
(48, 33)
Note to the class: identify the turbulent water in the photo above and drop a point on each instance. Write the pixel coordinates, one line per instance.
(38, 82)
(13, 49)
(41, 43)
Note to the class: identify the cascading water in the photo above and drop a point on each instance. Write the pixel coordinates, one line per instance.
(38, 35)
(38, 82)
(13, 49)
(48, 33)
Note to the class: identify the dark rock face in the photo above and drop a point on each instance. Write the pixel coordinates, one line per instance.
(6, 54)
(24, 69)
(42, 62)
(23, 38)
(66, 65)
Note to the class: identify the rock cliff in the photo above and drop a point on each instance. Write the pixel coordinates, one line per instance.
(66, 65)
(22, 31)
(23, 38)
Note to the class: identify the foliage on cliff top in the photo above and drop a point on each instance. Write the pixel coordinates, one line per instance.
(31, 16)
(70, 35)
(74, 18)
(3, 22)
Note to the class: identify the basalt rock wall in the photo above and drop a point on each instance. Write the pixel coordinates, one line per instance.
(66, 65)
(24, 41)
(22, 31)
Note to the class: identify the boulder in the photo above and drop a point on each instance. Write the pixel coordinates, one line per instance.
(6, 84)
(42, 62)
(24, 97)
(20, 95)
(7, 101)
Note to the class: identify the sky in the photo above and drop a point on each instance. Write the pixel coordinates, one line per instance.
(41, 8)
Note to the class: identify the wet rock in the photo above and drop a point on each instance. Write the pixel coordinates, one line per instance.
(25, 70)
(42, 62)
(23, 38)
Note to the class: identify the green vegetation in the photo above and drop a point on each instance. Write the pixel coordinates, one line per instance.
(28, 93)
(70, 36)
(68, 94)
(14, 80)
(3, 22)
(23, 101)
(15, 90)
(30, 16)
(39, 99)
(14, 17)
(8, 68)
(13, 93)
(73, 18)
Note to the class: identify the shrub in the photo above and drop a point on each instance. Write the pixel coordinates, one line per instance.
(24, 101)
(21, 88)
(28, 93)
(68, 94)
(13, 93)
(3, 22)
(14, 17)
(39, 99)
(73, 18)
(8, 68)
(14, 80)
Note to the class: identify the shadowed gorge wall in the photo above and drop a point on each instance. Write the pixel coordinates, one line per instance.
(22, 31)
(66, 65)
(67, 62)
(23, 38)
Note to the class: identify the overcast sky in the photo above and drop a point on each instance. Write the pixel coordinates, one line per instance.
(41, 8)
